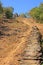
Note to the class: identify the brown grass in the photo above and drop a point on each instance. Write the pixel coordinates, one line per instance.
(14, 38)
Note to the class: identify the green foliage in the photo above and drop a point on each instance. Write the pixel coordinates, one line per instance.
(23, 15)
(9, 14)
(37, 13)
(8, 11)
(41, 16)
(1, 15)
(1, 8)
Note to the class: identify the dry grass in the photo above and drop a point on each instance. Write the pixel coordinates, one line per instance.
(14, 38)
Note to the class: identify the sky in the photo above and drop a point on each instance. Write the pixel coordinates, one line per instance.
(21, 6)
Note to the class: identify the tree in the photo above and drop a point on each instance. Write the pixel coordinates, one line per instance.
(1, 8)
(37, 12)
(23, 15)
(41, 5)
(9, 12)
(41, 16)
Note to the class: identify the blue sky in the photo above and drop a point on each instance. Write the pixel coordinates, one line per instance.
(21, 6)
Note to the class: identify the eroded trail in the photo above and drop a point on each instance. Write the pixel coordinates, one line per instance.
(31, 23)
(17, 50)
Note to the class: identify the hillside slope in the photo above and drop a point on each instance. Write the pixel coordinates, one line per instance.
(13, 38)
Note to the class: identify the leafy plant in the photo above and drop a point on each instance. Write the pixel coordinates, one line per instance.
(1, 8)
(23, 15)
(37, 13)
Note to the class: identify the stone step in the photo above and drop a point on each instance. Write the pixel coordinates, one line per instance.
(33, 49)
(31, 58)
(30, 62)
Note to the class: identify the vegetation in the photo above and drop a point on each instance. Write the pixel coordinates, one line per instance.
(8, 11)
(37, 13)
(1, 8)
(23, 15)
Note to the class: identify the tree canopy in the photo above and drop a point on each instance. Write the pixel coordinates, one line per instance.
(37, 12)
(1, 8)
(8, 11)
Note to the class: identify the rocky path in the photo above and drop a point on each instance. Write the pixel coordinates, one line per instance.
(28, 51)
(15, 51)
(32, 52)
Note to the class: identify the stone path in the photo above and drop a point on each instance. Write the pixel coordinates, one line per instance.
(32, 52)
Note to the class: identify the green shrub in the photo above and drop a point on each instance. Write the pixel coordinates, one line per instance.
(37, 13)
(1, 8)
(23, 15)
(1, 15)
(9, 14)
